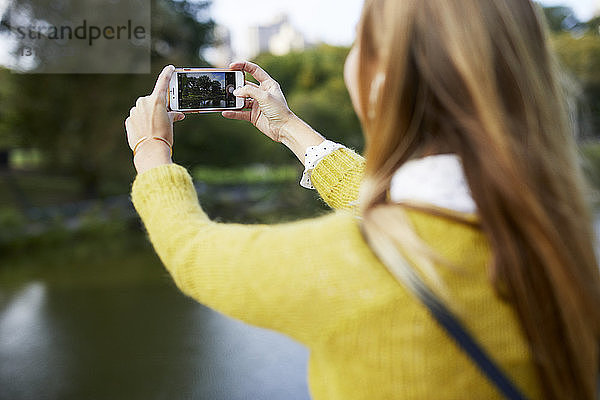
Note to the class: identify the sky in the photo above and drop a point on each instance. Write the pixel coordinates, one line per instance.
(330, 21)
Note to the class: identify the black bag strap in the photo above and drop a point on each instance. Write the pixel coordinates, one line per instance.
(469, 345)
(457, 331)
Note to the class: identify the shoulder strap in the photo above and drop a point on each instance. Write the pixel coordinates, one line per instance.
(470, 346)
(457, 331)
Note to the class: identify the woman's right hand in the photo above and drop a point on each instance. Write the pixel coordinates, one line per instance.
(268, 111)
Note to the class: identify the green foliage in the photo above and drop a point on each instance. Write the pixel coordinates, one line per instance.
(12, 223)
(77, 120)
(590, 153)
(26, 158)
(580, 54)
(180, 30)
(8, 135)
(210, 139)
(246, 175)
(593, 26)
(313, 83)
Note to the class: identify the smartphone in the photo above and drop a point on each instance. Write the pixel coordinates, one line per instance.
(196, 90)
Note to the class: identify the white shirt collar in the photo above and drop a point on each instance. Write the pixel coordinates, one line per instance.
(438, 180)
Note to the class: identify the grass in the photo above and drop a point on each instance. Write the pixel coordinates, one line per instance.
(247, 175)
(41, 189)
(26, 158)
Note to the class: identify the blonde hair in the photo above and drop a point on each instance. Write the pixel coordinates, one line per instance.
(476, 78)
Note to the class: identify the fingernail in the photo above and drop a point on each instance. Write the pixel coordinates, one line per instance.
(236, 92)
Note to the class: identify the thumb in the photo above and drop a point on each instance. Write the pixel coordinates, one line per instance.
(176, 116)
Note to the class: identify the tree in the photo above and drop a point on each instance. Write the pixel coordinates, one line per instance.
(580, 55)
(76, 120)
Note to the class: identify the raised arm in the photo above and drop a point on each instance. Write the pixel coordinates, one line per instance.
(264, 275)
(337, 176)
(285, 277)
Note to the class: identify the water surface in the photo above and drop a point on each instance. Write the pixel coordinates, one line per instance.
(137, 342)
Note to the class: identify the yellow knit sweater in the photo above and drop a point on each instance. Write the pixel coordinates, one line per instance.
(317, 281)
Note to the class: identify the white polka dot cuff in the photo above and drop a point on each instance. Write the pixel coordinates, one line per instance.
(312, 156)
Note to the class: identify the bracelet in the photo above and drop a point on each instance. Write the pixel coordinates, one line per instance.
(144, 138)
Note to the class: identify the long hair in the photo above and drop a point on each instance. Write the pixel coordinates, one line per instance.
(477, 78)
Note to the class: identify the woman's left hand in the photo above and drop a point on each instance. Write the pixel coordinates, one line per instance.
(150, 118)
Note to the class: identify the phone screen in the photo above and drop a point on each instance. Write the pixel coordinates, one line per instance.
(198, 90)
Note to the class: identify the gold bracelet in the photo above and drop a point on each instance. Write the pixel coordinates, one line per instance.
(144, 138)
(140, 140)
(165, 141)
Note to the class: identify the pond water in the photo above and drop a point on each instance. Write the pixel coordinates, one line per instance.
(137, 342)
(137, 339)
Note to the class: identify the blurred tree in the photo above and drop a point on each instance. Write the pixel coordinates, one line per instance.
(76, 120)
(580, 55)
(593, 26)
(577, 45)
(8, 137)
(312, 81)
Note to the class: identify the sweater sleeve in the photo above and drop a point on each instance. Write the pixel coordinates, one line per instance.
(275, 276)
(337, 178)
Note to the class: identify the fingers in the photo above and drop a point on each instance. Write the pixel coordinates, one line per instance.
(162, 83)
(257, 72)
(251, 91)
(241, 115)
(176, 116)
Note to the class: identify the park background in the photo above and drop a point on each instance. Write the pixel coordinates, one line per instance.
(86, 309)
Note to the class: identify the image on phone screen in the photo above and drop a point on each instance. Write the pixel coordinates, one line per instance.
(198, 90)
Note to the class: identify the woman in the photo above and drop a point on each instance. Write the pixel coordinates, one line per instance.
(470, 174)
